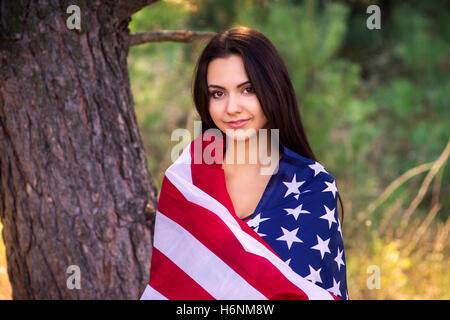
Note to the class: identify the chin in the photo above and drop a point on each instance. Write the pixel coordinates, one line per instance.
(241, 136)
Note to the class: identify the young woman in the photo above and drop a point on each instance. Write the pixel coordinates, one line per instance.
(225, 230)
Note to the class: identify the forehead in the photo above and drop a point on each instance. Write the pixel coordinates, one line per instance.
(226, 72)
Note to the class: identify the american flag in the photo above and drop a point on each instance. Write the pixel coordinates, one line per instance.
(290, 248)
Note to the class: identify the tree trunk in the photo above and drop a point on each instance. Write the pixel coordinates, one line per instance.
(74, 183)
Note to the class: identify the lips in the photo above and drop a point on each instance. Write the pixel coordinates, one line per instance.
(238, 124)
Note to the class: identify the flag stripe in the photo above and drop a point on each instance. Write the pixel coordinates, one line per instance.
(196, 260)
(162, 269)
(200, 176)
(218, 238)
(179, 175)
(152, 294)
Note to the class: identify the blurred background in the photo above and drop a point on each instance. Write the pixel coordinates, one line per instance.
(374, 105)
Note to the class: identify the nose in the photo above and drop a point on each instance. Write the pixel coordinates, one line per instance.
(233, 104)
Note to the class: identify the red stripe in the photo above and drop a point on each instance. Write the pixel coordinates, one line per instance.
(212, 232)
(164, 273)
(335, 297)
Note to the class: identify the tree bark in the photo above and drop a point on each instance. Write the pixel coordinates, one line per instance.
(74, 183)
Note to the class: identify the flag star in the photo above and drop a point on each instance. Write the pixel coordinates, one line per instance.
(329, 216)
(314, 275)
(288, 261)
(339, 227)
(331, 187)
(261, 234)
(289, 236)
(339, 260)
(256, 221)
(318, 168)
(335, 288)
(296, 211)
(322, 246)
(302, 192)
(293, 186)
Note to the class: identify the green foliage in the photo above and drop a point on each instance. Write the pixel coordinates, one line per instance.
(410, 87)
(214, 15)
(160, 16)
(160, 81)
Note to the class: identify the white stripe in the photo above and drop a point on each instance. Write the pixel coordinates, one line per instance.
(180, 175)
(199, 263)
(152, 294)
(183, 162)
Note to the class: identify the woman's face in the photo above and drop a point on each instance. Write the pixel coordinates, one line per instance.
(232, 98)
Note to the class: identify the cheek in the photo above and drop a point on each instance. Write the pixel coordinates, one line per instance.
(258, 112)
(216, 114)
(214, 111)
(262, 122)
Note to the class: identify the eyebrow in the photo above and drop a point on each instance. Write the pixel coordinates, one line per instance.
(238, 86)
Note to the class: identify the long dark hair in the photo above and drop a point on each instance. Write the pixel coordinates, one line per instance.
(269, 78)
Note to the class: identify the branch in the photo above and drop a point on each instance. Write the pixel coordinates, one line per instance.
(170, 35)
(441, 161)
(126, 8)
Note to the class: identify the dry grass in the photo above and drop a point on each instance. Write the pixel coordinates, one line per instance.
(408, 245)
(415, 266)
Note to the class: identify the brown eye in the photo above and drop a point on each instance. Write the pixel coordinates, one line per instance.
(216, 94)
(249, 89)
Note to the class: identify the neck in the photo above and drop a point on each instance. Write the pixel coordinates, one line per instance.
(249, 155)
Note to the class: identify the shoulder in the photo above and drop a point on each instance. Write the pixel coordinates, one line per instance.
(310, 183)
(310, 172)
(313, 212)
